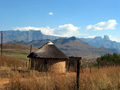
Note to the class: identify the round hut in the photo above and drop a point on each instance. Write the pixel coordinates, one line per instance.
(48, 58)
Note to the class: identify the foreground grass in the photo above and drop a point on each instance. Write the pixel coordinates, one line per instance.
(107, 78)
(104, 79)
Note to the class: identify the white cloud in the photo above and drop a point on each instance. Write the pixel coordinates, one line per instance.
(26, 28)
(112, 38)
(90, 36)
(110, 24)
(45, 30)
(65, 30)
(50, 13)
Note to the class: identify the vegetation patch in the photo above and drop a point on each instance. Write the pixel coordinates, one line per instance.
(109, 60)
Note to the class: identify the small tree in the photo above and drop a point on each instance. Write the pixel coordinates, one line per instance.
(109, 60)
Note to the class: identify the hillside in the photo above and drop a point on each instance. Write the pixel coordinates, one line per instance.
(15, 50)
(73, 47)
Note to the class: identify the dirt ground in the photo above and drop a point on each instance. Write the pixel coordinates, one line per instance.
(3, 82)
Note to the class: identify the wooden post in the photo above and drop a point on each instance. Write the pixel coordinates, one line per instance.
(78, 73)
(30, 48)
(98, 65)
(69, 66)
(1, 43)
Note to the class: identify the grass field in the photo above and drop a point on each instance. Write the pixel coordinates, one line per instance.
(17, 51)
(107, 78)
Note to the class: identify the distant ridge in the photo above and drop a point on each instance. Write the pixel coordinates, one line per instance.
(103, 42)
(31, 35)
(73, 47)
(26, 36)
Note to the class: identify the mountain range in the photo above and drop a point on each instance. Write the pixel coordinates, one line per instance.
(87, 47)
(103, 42)
(26, 36)
(72, 47)
(31, 35)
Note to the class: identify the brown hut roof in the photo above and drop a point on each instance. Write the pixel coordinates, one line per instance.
(48, 50)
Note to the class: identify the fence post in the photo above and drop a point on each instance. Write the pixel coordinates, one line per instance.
(30, 48)
(98, 65)
(78, 72)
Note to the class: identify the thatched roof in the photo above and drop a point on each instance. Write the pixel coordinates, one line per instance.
(48, 50)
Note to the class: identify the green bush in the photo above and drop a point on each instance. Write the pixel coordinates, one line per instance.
(109, 60)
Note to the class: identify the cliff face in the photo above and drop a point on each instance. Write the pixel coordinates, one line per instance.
(26, 36)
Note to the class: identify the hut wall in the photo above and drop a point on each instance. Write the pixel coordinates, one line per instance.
(57, 66)
(49, 65)
(37, 64)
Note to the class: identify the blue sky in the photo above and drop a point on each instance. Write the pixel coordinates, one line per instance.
(80, 18)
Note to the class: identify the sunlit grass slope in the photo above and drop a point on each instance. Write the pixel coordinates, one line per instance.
(15, 50)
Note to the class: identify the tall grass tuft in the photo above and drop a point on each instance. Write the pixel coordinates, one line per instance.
(41, 81)
(107, 78)
(10, 62)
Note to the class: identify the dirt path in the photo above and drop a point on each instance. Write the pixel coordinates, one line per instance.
(3, 82)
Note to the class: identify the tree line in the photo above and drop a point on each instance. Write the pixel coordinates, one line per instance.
(109, 60)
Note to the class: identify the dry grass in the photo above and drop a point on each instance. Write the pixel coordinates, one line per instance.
(107, 78)
(10, 62)
(18, 51)
(42, 81)
(103, 79)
